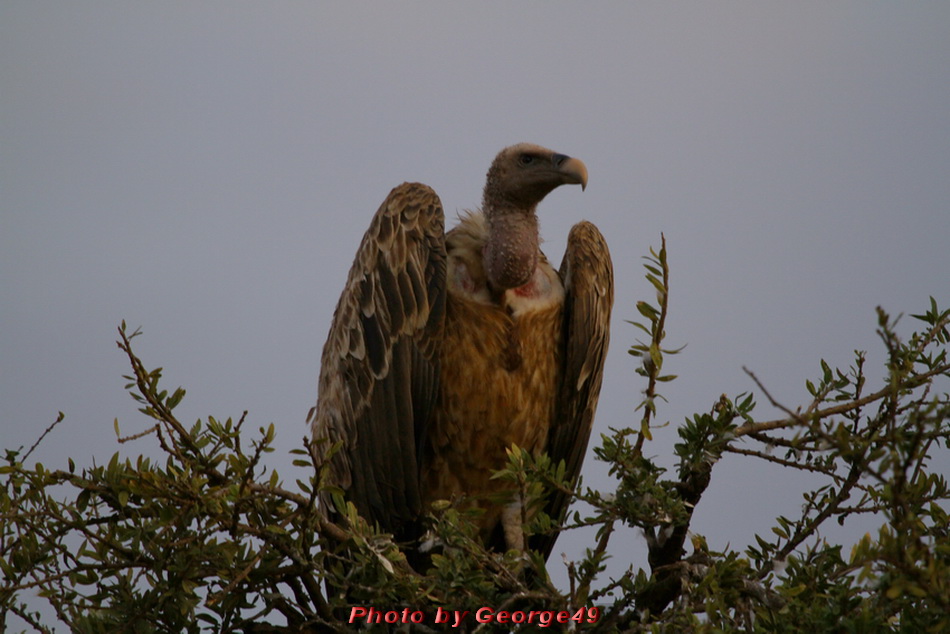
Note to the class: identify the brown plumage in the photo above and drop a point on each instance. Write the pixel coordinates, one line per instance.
(445, 349)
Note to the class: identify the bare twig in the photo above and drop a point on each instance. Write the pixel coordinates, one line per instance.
(59, 419)
(792, 421)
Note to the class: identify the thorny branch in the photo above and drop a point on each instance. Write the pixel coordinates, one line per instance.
(277, 549)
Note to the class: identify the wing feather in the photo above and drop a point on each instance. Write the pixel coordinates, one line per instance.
(587, 274)
(379, 372)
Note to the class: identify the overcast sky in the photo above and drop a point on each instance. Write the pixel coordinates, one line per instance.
(206, 171)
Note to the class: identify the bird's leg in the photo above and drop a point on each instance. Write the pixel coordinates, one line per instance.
(511, 523)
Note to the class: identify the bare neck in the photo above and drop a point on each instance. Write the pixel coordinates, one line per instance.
(511, 253)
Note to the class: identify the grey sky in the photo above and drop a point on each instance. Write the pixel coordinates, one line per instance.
(206, 170)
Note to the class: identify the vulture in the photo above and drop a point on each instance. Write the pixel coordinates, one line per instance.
(448, 348)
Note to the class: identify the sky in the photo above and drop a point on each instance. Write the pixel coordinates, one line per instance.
(205, 171)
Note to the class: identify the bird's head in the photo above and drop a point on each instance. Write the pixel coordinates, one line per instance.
(522, 175)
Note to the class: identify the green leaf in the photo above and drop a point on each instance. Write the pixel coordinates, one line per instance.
(82, 500)
(647, 311)
(175, 399)
(657, 284)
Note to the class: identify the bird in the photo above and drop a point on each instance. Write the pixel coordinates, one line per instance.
(446, 349)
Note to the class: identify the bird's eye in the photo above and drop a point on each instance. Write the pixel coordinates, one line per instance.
(526, 159)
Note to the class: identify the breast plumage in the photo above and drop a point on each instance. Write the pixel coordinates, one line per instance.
(502, 360)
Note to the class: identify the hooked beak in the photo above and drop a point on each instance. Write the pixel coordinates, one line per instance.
(573, 170)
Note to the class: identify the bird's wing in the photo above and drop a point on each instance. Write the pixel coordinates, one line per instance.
(379, 373)
(587, 274)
